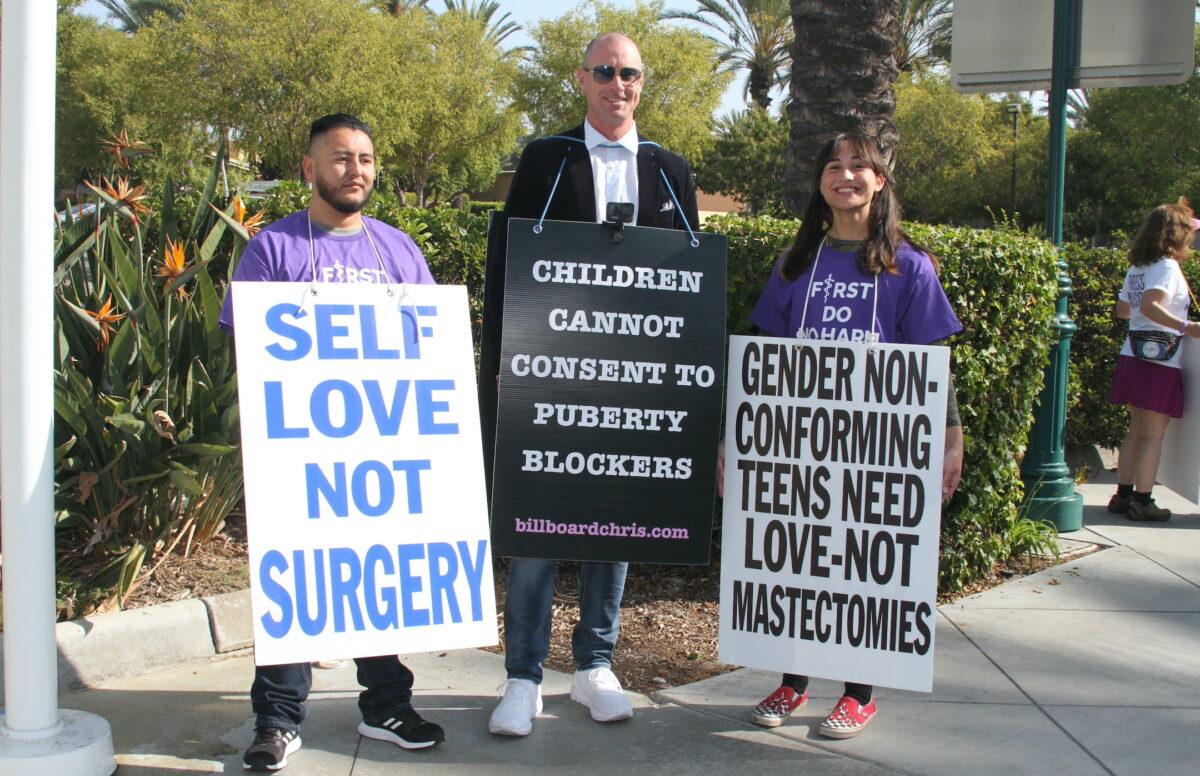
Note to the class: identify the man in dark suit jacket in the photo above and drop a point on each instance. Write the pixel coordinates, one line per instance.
(602, 161)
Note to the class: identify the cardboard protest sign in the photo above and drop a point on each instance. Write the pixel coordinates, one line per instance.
(832, 511)
(1179, 467)
(611, 370)
(365, 505)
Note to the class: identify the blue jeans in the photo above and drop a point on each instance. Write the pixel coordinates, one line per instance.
(527, 615)
(278, 693)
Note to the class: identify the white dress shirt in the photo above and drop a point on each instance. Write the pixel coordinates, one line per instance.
(614, 168)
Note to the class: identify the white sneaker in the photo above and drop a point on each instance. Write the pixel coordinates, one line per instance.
(599, 690)
(520, 702)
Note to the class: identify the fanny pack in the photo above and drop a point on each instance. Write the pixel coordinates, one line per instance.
(1154, 345)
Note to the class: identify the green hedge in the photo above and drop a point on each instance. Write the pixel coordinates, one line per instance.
(1002, 286)
(754, 244)
(1096, 277)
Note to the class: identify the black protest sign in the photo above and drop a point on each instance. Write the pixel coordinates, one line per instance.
(832, 509)
(609, 413)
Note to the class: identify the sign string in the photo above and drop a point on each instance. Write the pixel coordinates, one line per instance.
(537, 228)
(873, 337)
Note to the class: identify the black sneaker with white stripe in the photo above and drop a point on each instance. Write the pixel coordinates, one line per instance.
(405, 728)
(270, 749)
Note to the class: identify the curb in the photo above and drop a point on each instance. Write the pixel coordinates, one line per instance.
(133, 642)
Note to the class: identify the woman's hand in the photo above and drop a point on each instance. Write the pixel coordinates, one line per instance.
(1192, 329)
(952, 461)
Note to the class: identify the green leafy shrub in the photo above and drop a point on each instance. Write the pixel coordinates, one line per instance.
(1096, 277)
(1002, 286)
(484, 207)
(146, 433)
(755, 242)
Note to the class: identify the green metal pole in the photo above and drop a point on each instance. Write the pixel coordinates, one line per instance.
(1049, 488)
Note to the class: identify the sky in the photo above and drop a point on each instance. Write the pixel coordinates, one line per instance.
(526, 12)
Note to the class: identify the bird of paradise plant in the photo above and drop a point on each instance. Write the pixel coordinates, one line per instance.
(253, 225)
(172, 268)
(147, 452)
(122, 149)
(106, 319)
(237, 220)
(127, 199)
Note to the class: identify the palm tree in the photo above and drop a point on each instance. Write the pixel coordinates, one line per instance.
(133, 15)
(397, 7)
(924, 36)
(495, 30)
(843, 74)
(1078, 102)
(751, 35)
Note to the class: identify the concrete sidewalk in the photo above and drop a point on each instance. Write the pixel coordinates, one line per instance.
(1090, 667)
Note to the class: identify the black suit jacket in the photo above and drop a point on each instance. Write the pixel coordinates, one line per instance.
(574, 200)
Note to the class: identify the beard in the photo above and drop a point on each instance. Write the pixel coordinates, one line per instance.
(341, 202)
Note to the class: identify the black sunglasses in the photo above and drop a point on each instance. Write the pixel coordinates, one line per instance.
(604, 73)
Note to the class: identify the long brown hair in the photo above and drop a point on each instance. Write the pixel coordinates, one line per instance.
(1167, 231)
(878, 251)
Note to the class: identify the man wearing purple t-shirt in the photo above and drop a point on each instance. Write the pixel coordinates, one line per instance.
(332, 242)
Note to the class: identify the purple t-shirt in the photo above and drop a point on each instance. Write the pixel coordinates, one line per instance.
(280, 252)
(912, 307)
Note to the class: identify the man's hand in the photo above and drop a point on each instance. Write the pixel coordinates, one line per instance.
(952, 462)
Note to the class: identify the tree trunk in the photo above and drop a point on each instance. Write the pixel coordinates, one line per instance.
(843, 72)
(759, 85)
(420, 180)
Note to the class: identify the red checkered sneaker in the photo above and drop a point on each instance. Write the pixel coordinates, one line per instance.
(848, 718)
(778, 706)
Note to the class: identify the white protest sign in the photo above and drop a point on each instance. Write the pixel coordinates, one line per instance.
(1179, 467)
(833, 470)
(365, 507)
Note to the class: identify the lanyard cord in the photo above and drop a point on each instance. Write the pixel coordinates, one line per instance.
(312, 256)
(679, 209)
(873, 337)
(537, 228)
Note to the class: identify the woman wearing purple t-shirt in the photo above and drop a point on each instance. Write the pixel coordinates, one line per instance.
(852, 274)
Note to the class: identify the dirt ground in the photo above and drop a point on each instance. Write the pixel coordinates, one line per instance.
(669, 615)
(218, 566)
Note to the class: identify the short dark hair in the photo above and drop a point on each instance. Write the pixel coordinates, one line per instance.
(338, 121)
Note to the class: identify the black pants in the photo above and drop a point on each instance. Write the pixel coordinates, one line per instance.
(859, 692)
(279, 692)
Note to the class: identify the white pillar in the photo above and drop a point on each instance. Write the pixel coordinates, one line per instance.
(34, 737)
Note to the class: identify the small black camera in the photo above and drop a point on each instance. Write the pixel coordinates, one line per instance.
(619, 212)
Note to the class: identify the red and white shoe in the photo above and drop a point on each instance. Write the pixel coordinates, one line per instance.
(848, 718)
(778, 706)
